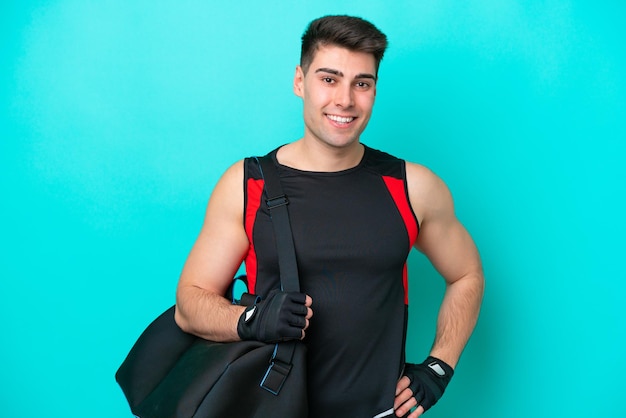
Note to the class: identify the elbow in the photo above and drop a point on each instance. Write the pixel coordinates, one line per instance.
(472, 285)
(478, 279)
(180, 319)
(185, 298)
(476, 282)
(182, 315)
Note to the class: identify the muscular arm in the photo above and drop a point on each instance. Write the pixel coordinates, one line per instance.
(452, 252)
(201, 308)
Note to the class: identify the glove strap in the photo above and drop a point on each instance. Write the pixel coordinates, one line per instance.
(439, 367)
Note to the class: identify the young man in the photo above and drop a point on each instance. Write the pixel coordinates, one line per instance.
(355, 213)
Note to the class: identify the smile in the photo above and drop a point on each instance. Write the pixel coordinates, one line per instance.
(340, 119)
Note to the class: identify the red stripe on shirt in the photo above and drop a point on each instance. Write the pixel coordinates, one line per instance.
(254, 195)
(397, 190)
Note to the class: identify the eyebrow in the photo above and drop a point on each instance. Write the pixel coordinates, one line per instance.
(340, 74)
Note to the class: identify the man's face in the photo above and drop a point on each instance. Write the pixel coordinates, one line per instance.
(338, 93)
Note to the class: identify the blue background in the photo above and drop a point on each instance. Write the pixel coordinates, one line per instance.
(117, 118)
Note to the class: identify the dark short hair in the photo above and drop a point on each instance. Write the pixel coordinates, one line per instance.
(349, 32)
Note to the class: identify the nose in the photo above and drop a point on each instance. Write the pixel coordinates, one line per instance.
(344, 96)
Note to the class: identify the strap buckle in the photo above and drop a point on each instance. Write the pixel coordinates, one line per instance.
(275, 376)
(277, 201)
(279, 369)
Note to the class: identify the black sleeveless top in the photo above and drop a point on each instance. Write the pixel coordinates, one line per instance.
(352, 232)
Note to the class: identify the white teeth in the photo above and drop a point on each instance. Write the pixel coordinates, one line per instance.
(340, 119)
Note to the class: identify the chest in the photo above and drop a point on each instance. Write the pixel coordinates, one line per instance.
(346, 221)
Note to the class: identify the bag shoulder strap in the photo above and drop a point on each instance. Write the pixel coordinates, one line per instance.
(277, 204)
(277, 201)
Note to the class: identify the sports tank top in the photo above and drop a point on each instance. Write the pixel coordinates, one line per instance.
(352, 233)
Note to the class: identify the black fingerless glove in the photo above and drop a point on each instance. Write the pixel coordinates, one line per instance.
(280, 317)
(428, 380)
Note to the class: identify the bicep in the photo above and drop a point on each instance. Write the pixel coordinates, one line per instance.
(222, 242)
(449, 247)
(442, 238)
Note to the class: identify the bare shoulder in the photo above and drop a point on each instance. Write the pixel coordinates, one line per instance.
(233, 176)
(428, 193)
(228, 192)
(222, 242)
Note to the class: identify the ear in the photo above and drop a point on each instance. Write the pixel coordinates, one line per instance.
(298, 82)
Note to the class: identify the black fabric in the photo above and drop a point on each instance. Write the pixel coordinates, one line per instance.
(428, 380)
(169, 373)
(276, 204)
(352, 245)
(145, 366)
(281, 317)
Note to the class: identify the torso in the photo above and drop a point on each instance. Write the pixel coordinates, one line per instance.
(352, 231)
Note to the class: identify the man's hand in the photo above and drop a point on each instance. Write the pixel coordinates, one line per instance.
(422, 385)
(283, 316)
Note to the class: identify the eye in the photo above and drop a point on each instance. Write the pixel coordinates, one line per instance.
(328, 80)
(363, 85)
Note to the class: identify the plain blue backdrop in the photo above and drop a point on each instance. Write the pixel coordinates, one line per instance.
(117, 118)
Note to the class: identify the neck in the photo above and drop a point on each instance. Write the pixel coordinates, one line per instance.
(305, 156)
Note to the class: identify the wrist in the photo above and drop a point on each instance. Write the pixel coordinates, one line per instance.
(442, 355)
(440, 367)
(243, 326)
